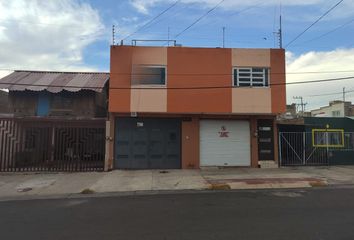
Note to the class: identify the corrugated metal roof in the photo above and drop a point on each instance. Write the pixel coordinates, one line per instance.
(54, 81)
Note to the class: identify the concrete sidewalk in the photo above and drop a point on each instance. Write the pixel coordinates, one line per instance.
(32, 185)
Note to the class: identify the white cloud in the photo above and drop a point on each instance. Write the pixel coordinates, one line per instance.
(47, 35)
(336, 63)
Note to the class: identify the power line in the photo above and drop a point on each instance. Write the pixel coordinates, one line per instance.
(178, 12)
(327, 33)
(200, 18)
(236, 13)
(325, 94)
(178, 88)
(210, 74)
(316, 72)
(153, 19)
(322, 16)
(317, 81)
(330, 94)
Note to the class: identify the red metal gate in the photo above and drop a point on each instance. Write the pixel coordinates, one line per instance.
(28, 144)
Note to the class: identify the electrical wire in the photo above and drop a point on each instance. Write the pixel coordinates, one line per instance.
(234, 14)
(327, 33)
(200, 74)
(179, 88)
(330, 94)
(153, 19)
(170, 16)
(199, 19)
(322, 16)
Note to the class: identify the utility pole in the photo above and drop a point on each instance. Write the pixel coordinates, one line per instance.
(113, 35)
(302, 104)
(223, 37)
(344, 94)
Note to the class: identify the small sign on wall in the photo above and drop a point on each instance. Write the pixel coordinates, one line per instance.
(223, 133)
(140, 124)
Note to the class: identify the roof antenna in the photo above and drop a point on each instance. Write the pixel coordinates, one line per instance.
(113, 35)
(223, 37)
(280, 33)
(168, 36)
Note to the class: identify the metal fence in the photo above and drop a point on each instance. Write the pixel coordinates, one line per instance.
(51, 145)
(299, 148)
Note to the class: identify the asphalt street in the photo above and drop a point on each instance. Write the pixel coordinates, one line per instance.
(292, 214)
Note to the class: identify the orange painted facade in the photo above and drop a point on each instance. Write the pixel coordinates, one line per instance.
(198, 68)
(199, 85)
(190, 144)
(277, 76)
(198, 80)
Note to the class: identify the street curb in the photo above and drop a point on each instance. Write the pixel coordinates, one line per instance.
(166, 192)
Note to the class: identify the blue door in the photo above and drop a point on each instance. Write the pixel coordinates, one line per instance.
(43, 104)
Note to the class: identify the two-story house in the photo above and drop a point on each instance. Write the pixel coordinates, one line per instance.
(183, 107)
(334, 109)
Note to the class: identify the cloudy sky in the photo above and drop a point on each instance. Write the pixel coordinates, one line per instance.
(75, 35)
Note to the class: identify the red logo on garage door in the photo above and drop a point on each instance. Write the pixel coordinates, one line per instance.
(223, 133)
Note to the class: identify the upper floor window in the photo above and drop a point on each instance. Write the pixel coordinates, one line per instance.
(251, 77)
(148, 75)
(336, 113)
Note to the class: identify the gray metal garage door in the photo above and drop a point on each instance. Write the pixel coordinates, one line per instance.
(148, 143)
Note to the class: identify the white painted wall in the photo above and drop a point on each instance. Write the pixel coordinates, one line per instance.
(328, 111)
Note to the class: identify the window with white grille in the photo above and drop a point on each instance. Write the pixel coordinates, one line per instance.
(251, 77)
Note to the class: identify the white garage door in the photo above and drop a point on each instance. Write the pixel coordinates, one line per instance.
(225, 143)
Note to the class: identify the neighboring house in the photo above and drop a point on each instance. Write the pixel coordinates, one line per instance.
(317, 141)
(57, 123)
(291, 109)
(181, 107)
(290, 112)
(57, 94)
(4, 109)
(335, 109)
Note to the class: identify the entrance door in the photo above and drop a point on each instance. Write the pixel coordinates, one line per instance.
(265, 139)
(148, 143)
